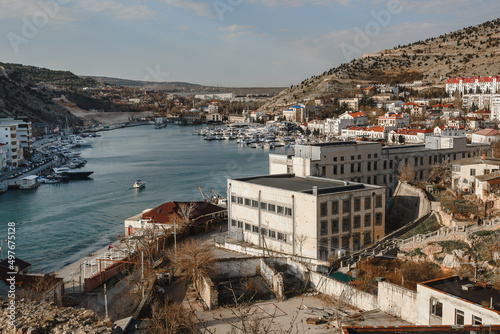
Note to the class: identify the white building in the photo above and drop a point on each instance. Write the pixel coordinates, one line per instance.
(457, 301)
(220, 96)
(351, 103)
(449, 131)
(486, 136)
(335, 125)
(473, 85)
(409, 136)
(295, 113)
(465, 171)
(317, 125)
(3, 157)
(305, 216)
(23, 134)
(8, 137)
(372, 132)
(394, 120)
(256, 115)
(391, 105)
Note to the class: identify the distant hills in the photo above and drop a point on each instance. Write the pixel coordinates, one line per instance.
(470, 51)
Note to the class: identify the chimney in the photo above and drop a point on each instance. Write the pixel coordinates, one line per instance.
(315, 191)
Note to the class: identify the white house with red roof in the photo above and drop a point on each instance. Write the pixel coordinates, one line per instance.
(335, 125)
(316, 125)
(394, 120)
(257, 114)
(372, 132)
(486, 136)
(473, 85)
(457, 122)
(409, 136)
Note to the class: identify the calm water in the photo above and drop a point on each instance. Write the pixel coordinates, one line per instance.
(57, 224)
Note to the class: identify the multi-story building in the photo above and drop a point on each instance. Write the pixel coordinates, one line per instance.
(295, 113)
(394, 120)
(409, 136)
(3, 157)
(351, 103)
(305, 216)
(465, 172)
(335, 125)
(24, 134)
(8, 136)
(372, 132)
(473, 85)
(371, 162)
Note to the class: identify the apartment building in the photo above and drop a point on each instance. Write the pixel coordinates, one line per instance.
(305, 216)
(335, 125)
(466, 171)
(8, 137)
(23, 134)
(371, 162)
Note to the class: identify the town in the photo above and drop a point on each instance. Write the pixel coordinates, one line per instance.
(386, 215)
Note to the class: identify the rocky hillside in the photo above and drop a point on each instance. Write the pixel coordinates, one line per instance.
(20, 96)
(468, 52)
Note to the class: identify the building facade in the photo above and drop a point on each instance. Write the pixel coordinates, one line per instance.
(305, 216)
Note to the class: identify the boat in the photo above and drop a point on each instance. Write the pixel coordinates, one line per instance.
(139, 184)
(72, 174)
(161, 126)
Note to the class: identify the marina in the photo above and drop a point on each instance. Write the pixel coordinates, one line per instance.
(58, 224)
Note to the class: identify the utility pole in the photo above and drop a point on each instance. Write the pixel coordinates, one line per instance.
(105, 302)
(175, 239)
(142, 273)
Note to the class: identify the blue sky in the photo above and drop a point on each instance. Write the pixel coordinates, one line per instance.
(220, 42)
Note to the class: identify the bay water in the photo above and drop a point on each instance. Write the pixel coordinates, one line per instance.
(56, 224)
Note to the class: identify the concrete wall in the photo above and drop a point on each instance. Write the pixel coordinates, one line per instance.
(273, 278)
(208, 293)
(409, 204)
(397, 301)
(334, 288)
(234, 268)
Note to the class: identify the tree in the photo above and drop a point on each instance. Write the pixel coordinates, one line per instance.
(194, 260)
(301, 239)
(185, 212)
(406, 173)
(440, 174)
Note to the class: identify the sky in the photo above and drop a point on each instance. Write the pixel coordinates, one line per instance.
(231, 43)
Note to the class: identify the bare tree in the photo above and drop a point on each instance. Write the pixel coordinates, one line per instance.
(406, 173)
(342, 302)
(186, 212)
(170, 319)
(194, 259)
(440, 173)
(301, 239)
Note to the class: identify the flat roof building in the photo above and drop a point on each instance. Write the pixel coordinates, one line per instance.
(305, 216)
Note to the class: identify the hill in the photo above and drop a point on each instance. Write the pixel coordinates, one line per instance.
(471, 51)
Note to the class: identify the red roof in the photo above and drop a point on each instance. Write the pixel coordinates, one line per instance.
(488, 132)
(168, 213)
(410, 104)
(357, 114)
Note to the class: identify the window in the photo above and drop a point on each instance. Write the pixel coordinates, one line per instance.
(334, 158)
(334, 243)
(416, 161)
(368, 202)
(352, 168)
(334, 226)
(359, 167)
(385, 164)
(369, 166)
(357, 204)
(357, 221)
(341, 169)
(323, 228)
(271, 208)
(255, 229)
(335, 170)
(367, 238)
(374, 165)
(233, 199)
(459, 317)
(247, 202)
(288, 211)
(421, 161)
(263, 206)
(248, 227)
(378, 219)
(359, 156)
(436, 308)
(369, 156)
(281, 210)
(472, 172)
(281, 236)
(476, 320)
(368, 220)
(378, 201)
(352, 157)
(323, 209)
(369, 180)
(345, 242)
(346, 224)
(375, 155)
(240, 224)
(430, 160)
(255, 204)
(263, 231)
(346, 206)
(240, 200)
(233, 222)
(341, 158)
(272, 234)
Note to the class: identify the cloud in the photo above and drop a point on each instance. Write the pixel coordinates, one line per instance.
(117, 9)
(182, 28)
(200, 8)
(17, 9)
(234, 27)
(299, 3)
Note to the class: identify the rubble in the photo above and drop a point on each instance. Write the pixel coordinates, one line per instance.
(43, 317)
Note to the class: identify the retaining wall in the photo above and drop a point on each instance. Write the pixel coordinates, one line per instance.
(208, 293)
(397, 301)
(273, 278)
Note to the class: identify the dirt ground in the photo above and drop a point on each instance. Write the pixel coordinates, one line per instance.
(104, 118)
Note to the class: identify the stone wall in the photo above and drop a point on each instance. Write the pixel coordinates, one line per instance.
(273, 278)
(208, 292)
(397, 301)
(409, 203)
(237, 267)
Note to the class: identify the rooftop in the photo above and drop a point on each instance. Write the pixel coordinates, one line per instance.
(478, 161)
(494, 329)
(462, 287)
(306, 184)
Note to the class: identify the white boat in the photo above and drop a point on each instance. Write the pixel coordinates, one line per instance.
(139, 184)
(3, 187)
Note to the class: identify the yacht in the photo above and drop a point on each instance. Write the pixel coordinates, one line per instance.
(139, 184)
(72, 174)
